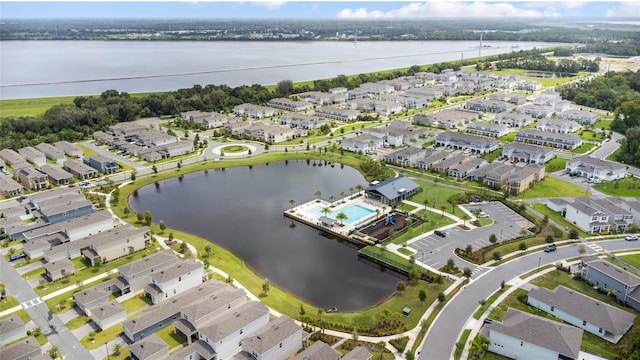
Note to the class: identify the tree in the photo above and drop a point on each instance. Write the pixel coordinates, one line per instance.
(443, 208)
(414, 276)
(581, 250)
(573, 234)
(381, 346)
(466, 272)
(292, 202)
(284, 88)
(133, 176)
(207, 249)
(183, 247)
(155, 169)
(325, 211)
(302, 313)
(469, 249)
(493, 238)
(162, 225)
(140, 216)
(465, 217)
(53, 351)
(522, 246)
(451, 265)
(341, 216)
(422, 295)
(117, 349)
(441, 297)
(317, 194)
(479, 346)
(332, 199)
(496, 256)
(548, 239)
(265, 287)
(148, 218)
(401, 286)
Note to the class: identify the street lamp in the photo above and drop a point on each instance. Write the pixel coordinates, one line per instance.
(422, 257)
(501, 236)
(107, 347)
(538, 269)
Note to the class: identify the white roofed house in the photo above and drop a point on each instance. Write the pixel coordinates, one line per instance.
(174, 280)
(277, 340)
(512, 119)
(524, 336)
(587, 313)
(529, 85)
(581, 116)
(32, 155)
(69, 149)
(591, 167)
(486, 129)
(362, 143)
(527, 153)
(337, 113)
(51, 152)
(558, 125)
(446, 119)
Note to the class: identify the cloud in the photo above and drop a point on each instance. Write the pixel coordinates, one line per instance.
(446, 9)
(271, 5)
(624, 9)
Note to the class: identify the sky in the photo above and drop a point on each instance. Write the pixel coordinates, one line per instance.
(320, 9)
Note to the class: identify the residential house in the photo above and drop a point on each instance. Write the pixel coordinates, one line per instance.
(357, 93)
(589, 218)
(116, 243)
(513, 119)
(548, 97)
(458, 141)
(12, 328)
(581, 116)
(302, 121)
(137, 274)
(89, 299)
(584, 312)
(12, 158)
(174, 280)
(126, 128)
(65, 208)
(591, 167)
(405, 157)
(558, 125)
(486, 129)
(196, 350)
(59, 269)
(529, 85)
(428, 92)
(207, 120)
(76, 228)
(544, 138)
(33, 179)
(446, 119)
(519, 181)
(69, 149)
(80, 170)
(619, 218)
(358, 353)
(377, 88)
(530, 154)
(365, 144)
(461, 170)
(330, 112)
(108, 315)
(157, 317)
(496, 174)
(102, 163)
(488, 105)
(433, 157)
(225, 333)
(56, 175)
(288, 104)
(254, 111)
(631, 205)
(606, 276)
(512, 98)
(35, 248)
(536, 111)
(26, 349)
(392, 190)
(277, 340)
(443, 166)
(9, 187)
(528, 337)
(32, 155)
(51, 152)
(150, 348)
(319, 350)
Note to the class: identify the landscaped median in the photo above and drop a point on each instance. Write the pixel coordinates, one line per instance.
(369, 321)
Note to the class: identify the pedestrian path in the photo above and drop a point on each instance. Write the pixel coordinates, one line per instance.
(32, 302)
(594, 247)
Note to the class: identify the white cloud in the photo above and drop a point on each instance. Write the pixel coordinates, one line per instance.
(270, 4)
(625, 9)
(447, 9)
(314, 7)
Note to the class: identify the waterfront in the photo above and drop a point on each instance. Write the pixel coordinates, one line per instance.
(30, 69)
(241, 210)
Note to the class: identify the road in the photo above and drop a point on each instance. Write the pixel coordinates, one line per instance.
(68, 345)
(444, 331)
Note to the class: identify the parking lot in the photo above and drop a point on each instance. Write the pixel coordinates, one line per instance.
(434, 250)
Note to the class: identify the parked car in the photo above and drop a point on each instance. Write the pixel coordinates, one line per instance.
(440, 233)
(631, 237)
(17, 256)
(550, 248)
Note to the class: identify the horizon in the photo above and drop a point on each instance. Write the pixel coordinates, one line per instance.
(319, 10)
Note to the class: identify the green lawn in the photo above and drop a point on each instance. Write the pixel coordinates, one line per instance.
(584, 148)
(510, 137)
(102, 337)
(634, 260)
(604, 124)
(557, 217)
(434, 194)
(31, 107)
(10, 303)
(433, 221)
(231, 149)
(629, 186)
(78, 322)
(492, 156)
(589, 135)
(86, 151)
(167, 335)
(555, 164)
(552, 187)
(136, 304)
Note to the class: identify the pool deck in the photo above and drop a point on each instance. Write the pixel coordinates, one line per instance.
(302, 213)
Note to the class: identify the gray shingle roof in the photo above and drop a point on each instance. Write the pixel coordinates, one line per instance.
(105, 311)
(272, 334)
(229, 323)
(200, 347)
(224, 296)
(146, 263)
(614, 272)
(585, 308)
(149, 347)
(11, 323)
(182, 268)
(358, 353)
(549, 334)
(318, 351)
(18, 350)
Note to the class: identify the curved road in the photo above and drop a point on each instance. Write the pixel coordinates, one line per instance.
(444, 331)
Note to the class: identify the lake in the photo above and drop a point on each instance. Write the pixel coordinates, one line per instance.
(241, 209)
(31, 69)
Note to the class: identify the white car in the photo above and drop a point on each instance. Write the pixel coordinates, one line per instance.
(631, 237)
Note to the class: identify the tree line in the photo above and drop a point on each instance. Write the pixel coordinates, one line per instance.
(618, 92)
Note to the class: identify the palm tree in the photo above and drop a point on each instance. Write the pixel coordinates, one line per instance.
(292, 202)
(332, 199)
(479, 345)
(443, 208)
(325, 211)
(351, 191)
(465, 217)
(341, 216)
(359, 187)
(318, 194)
(342, 195)
(116, 349)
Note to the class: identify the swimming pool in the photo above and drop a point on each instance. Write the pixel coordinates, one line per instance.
(354, 213)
